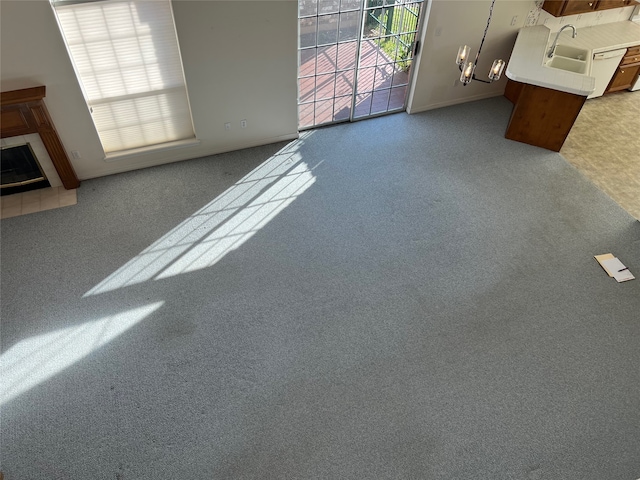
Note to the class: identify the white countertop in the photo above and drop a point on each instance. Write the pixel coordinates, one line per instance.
(526, 64)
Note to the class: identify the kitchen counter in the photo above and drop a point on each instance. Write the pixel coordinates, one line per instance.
(526, 64)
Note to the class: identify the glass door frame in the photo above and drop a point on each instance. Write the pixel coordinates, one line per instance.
(312, 97)
(414, 51)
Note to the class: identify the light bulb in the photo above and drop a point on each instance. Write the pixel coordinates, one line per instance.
(467, 72)
(463, 54)
(496, 69)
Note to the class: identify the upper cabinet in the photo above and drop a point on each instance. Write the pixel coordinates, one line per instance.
(561, 8)
(603, 4)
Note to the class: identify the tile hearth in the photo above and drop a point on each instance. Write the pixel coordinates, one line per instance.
(36, 201)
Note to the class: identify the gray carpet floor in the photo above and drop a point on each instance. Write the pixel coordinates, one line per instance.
(407, 297)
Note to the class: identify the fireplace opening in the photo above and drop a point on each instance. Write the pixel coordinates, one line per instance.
(20, 170)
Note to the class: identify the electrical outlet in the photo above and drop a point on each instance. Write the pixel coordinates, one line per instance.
(243, 123)
(76, 154)
(227, 126)
(514, 20)
(438, 31)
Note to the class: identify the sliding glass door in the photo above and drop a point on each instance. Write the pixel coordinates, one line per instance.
(354, 58)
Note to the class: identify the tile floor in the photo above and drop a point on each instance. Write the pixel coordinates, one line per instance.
(604, 144)
(36, 201)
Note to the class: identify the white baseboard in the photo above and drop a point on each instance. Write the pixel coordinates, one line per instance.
(182, 154)
(457, 101)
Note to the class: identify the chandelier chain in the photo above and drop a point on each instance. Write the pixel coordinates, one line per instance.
(486, 29)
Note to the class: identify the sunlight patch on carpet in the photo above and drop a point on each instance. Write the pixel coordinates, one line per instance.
(37, 359)
(223, 225)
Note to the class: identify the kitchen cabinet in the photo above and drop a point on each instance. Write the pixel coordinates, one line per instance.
(627, 72)
(547, 100)
(561, 8)
(605, 4)
(541, 116)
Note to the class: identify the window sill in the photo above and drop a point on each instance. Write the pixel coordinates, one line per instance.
(124, 154)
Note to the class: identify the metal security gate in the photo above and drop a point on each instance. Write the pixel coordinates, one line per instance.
(354, 58)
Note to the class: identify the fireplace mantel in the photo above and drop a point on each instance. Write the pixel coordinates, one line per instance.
(23, 112)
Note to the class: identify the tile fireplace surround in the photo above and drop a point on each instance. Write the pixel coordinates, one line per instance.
(23, 112)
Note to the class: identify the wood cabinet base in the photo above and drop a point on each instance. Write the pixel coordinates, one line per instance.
(541, 116)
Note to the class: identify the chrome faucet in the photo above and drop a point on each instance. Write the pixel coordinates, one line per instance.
(573, 35)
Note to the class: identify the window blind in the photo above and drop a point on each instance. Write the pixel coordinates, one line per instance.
(126, 56)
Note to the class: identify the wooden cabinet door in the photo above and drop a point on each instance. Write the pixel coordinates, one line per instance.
(561, 8)
(624, 77)
(572, 7)
(605, 4)
(554, 7)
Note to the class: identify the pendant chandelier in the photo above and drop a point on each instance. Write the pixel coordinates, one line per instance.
(468, 67)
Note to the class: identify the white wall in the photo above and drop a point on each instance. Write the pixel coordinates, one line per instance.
(240, 62)
(452, 23)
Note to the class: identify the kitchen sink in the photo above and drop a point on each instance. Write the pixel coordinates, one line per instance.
(570, 59)
(571, 52)
(567, 63)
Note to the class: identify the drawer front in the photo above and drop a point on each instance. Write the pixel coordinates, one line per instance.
(630, 60)
(633, 51)
(632, 56)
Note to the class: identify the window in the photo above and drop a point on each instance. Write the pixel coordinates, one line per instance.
(126, 56)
